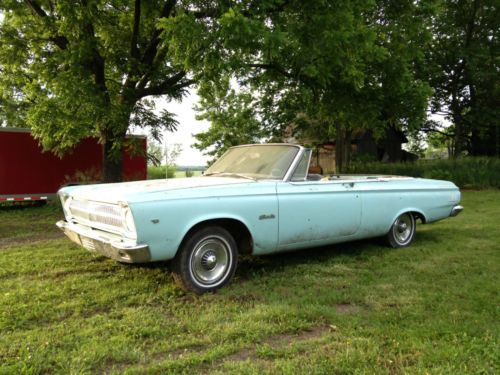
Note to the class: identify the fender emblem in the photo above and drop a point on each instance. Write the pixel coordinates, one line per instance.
(266, 217)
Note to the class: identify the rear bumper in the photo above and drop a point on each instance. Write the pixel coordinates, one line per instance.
(456, 210)
(111, 246)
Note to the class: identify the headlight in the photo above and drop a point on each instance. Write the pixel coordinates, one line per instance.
(65, 203)
(128, 221)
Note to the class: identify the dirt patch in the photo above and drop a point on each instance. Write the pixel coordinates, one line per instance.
(275, 342)
(8, 243)
(347, 308)
(175, 354)
(278, 342)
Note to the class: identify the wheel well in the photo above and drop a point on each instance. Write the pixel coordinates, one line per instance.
(238, 230)
(418, 215)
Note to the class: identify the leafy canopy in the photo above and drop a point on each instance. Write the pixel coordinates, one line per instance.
(69, 70)
(315, 65)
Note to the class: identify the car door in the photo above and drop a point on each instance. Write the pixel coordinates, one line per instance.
(317, 212)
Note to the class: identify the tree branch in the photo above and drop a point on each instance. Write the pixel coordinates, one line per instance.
(434, 130)
(152, 48)
(59, 40)
(273, 66)
(146, 65)
(171, 85)
(36, 8)
(134, 50)
(281, 70)
(97, 62)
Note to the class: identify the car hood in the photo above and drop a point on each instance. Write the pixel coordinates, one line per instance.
(152, 189)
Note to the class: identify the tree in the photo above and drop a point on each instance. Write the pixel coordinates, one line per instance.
(464, 72)
(172, 153)
(155, 153)
(233, 117)
(70, 70)
(325, 67)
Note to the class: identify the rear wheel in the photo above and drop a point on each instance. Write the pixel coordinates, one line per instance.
(206, 261)
(402, 232)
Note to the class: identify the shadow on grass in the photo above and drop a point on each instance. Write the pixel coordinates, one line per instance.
(250, 267)
(253, 267)
(22, 205)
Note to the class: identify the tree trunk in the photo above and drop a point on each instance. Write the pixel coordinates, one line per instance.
(112, 163)
(114, 141)
(339, 152)
(458, 138)
(342, 148)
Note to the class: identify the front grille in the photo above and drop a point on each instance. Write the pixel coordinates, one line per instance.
(96, 214)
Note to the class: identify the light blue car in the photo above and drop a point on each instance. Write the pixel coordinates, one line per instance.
(256, 199)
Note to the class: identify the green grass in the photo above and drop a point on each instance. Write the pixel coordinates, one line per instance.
(350, 308)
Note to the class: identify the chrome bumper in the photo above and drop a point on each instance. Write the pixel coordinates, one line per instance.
(111, 246)
(456, 210)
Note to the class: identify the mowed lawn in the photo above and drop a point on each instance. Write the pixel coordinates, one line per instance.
(351, 308)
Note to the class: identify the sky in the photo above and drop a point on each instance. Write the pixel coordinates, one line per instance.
(188, 126)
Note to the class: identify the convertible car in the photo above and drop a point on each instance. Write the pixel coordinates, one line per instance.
(256, 199)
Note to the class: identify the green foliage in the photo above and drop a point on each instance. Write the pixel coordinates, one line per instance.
(464, 69)
(189, 173)
(316, 66)
(155, 153)
(172, 153)
(159, 172)
(350, 308)
(73, 70)
(233, 118)
(466, 172)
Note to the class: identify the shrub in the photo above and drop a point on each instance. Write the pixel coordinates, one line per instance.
(467, 172)
(91, 175)
(189, 173)
(155, 173)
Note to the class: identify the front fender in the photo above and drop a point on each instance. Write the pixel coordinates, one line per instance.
(162, 225)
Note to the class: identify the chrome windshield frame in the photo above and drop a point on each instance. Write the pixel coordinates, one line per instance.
(294, 163)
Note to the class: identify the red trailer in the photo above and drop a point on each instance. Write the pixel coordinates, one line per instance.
(28, 173)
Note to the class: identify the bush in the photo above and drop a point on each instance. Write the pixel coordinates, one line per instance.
(91, 175)
(155, 173)
(189, 173)
(467, 172)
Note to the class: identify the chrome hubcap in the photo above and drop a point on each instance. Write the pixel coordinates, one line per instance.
(403, 228)
(210, 261)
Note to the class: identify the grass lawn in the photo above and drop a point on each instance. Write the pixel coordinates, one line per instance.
(350, 308)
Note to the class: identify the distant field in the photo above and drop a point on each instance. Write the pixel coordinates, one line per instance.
(180, 174)
(160, 172)
(362, 308)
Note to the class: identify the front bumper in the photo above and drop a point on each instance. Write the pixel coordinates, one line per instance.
(106, 244)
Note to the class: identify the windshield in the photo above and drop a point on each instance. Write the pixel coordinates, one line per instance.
(255, 161)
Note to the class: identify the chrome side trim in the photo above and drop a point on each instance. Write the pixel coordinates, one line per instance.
(107, 244)
(456, 210)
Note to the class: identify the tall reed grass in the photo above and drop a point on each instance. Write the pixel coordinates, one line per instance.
(467, 172)
(155, 173)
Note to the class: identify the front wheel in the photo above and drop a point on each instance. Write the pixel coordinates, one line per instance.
(206, 261)
(402, 232)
